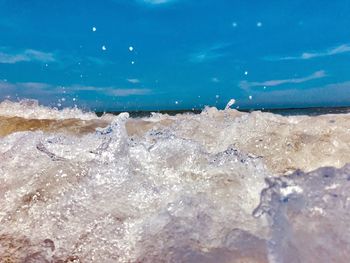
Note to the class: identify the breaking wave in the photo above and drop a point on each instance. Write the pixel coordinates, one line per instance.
(220, 186)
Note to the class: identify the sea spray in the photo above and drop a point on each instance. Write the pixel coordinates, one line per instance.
(187, 188)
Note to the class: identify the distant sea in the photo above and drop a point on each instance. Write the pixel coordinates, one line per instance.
(312, 111)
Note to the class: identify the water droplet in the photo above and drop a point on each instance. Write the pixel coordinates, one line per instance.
(230, 103)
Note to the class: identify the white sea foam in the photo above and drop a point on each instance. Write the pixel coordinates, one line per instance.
(184, 188)
(30, 109)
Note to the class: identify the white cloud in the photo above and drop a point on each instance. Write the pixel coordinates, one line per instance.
(215, 80)
(345, 48)
(38, 88)
(28, 89)
(60, 58)
(35, 85)
(155, 2)
(109, 90)
(332, 94)
(4, 85)
(133, 81)
(212, 53)
(276, 82)
(26, 56)
(24, 85)
(129, 92)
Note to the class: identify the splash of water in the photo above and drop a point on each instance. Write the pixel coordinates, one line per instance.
(184, 188)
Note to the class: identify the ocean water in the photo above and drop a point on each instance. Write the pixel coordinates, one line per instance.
(218, 186)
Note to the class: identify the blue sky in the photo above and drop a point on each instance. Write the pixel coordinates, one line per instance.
(175, 54)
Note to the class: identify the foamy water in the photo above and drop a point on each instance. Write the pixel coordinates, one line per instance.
(211, 187)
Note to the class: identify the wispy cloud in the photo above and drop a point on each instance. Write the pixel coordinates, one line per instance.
(329, 94)
(26, 55)
(25, 85)
(156, 2)
(110, 90)
(28, 89)
(129, 92)
(212, 53)
(215, 80)
(133, 81)
(61, 59)
(148, 2)
(276, 82)
(90, 60)
(345, 48)
(153, 3)
(38, 88)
